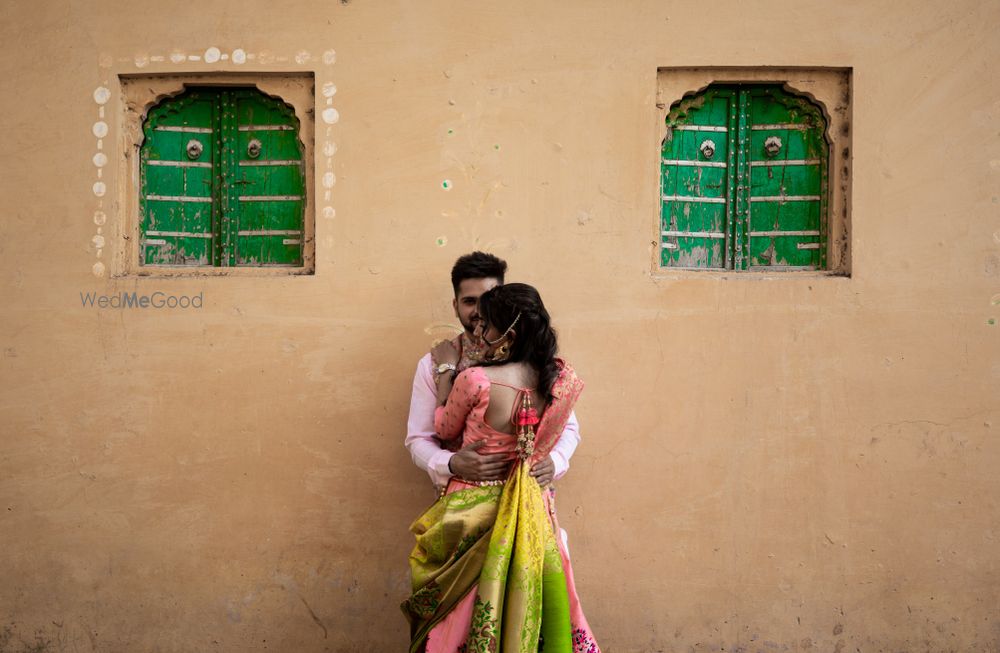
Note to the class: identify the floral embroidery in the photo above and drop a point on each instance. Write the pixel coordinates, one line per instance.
(583, 642)
(482, 635)
(466, 543)
(425, 601)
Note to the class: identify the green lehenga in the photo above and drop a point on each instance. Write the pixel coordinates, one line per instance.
(497, 547)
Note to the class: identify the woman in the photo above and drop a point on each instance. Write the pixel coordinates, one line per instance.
(489, 572)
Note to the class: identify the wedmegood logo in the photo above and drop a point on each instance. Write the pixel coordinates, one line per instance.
(128, 300)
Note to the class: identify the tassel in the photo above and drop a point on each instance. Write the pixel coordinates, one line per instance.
(525, 420)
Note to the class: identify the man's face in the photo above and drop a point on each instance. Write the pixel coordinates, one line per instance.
(466, 302)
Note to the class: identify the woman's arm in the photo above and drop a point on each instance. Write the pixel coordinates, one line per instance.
(449, 419)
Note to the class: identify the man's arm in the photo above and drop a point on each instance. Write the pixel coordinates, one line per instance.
(424, 447)
(566, 446)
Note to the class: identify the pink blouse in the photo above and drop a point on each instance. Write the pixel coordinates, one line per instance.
(465, 413)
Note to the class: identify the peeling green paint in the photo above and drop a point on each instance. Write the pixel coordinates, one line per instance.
(223, 181)
(744, 181)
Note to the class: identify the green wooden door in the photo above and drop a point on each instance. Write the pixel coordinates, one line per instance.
(744, 181)
(223, 181)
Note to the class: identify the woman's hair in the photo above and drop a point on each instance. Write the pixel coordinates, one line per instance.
(535, 340)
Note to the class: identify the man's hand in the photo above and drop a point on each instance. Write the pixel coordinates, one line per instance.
(471, 465)
(543, 471)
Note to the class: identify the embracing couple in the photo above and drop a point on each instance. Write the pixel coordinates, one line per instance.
(491, 421)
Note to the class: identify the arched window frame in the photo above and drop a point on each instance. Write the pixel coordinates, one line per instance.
(141, 93)
(826, 89)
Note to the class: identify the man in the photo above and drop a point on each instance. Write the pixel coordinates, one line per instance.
(471, 276)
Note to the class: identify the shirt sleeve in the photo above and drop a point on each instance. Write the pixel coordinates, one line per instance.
(563, 451)
(449, 420)
(421, 441)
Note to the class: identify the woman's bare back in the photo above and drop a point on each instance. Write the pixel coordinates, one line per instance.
(502, 398)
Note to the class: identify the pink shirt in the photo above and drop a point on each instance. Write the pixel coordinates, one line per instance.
(425, 449)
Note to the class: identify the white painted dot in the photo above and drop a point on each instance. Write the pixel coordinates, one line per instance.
(98, 241)
(100, 217)
(177, 56)
(100, 129)
(102, 95)
(194, 57)
(239, 56)
(212, 54)
(329, 148)
(330, 57)
(141, 60)
(329, 89)
(330, 116)
(100, 159)
(301, 57)
(98, 269)
(100, 188)
(329, 179)
(329, 212)
(442, 241)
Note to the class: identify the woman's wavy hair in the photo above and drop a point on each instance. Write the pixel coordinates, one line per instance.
(535, 339)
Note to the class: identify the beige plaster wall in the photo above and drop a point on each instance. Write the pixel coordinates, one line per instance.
(800, 463)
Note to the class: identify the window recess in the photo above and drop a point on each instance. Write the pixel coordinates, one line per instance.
(222, 181)
(744, 181)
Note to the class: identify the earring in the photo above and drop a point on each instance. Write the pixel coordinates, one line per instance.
(501, 353)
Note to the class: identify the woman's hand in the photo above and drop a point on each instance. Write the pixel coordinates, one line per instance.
(445, 352)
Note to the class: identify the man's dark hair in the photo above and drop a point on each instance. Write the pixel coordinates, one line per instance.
(477, 265)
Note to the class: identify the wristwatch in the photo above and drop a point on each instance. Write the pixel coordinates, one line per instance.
(445, 367)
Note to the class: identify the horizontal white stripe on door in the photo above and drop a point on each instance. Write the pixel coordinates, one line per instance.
(268, 232)
(783, 125)
(684, 198)
(179, 164)
(186, 130)
(693, 234)
(179, 234)
(779, 234)
(788, 162)
(272, 162)
(696, 164)
(699, 128)
(266, 128)
(179, 198)
(786, 198)
(270, 198)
